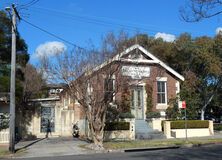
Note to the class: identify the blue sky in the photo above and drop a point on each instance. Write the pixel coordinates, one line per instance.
(81, 21)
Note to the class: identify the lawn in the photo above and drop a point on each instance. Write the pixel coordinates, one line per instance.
(158, 143)
(4, 151)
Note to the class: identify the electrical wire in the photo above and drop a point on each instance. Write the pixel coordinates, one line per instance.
(97, 20)
(93, 20)
(52, 34)
(29, 4)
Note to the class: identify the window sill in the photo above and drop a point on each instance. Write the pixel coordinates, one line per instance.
(161, 106)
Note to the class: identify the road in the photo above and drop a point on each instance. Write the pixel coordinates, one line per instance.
(195, 153)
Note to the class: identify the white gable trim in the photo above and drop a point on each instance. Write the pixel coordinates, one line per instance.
(136, 61)
(154, 60)
(162, 64)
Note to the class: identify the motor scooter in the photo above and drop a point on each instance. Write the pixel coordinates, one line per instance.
(75, 130)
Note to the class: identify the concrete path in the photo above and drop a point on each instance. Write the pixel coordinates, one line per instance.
(51, 147)
(60, 146)
(210, 152)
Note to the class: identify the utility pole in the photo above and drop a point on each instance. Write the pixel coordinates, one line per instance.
(12, 81)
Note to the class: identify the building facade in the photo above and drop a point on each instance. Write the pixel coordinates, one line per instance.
(148, 83)
(143, 80)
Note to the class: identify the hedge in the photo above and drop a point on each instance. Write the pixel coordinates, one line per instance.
(190, 124)
(112, 126)
(218, 127)
(126, 115)
(4, 121)
(150, 115)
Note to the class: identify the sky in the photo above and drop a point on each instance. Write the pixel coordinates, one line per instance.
(84, 22)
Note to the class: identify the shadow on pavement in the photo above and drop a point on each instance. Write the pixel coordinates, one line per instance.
(30, 144)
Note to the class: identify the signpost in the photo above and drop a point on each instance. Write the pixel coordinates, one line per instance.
(182, 105)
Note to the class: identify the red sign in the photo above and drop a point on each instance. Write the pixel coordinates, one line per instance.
(183, 104)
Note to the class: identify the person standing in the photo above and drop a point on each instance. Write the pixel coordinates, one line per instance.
(48, 129)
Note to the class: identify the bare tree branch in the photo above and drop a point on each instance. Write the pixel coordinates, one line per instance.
(196, 10)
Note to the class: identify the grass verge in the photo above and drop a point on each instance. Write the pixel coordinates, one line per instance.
(4, 151)
(157, 143)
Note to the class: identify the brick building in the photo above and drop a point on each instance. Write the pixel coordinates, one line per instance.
(149, 82)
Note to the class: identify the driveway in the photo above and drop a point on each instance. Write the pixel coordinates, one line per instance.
(51, 147)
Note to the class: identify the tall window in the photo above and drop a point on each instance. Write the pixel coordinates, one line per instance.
(161, 92)
(109, 87)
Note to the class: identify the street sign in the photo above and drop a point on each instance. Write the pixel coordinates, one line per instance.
(182, 104)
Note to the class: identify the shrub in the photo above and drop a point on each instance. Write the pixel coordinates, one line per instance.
(125, 100)
(172, 112)
(149, 99)
(190, 124)
(126, 115)
(4, 121)
(153, 115)
(218, 127)
(112, 126)
(112, 114)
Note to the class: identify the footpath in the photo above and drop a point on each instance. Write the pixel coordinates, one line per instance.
(62, 146)
(59, 146)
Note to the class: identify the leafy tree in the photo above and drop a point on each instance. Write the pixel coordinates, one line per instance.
(199, 60)
(22, 55)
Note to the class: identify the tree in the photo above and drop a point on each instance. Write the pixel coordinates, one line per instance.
(89, 76)
(79, 70)
(199, 60)
(196, 10)
(28, 80)
(5, 54)
(5, 43)
(33, 82)
(210, 82)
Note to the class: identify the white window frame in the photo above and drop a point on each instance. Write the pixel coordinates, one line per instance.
(177, 87)
(114, 87)
(113, 78)
(65, 101)
(162, 79)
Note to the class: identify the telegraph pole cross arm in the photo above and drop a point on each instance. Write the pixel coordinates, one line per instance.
(14, 14)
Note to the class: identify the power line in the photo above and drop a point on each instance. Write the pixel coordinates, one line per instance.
(52, 34)
(29, 4)
(95, 20)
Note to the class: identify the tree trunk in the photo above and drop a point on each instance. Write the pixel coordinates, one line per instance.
(98, 140)
(97, 136)
(205, 106)
(202, 113)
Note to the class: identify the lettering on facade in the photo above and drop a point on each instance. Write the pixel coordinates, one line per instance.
(136, 72)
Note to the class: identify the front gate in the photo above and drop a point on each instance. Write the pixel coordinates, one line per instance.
(47, 115)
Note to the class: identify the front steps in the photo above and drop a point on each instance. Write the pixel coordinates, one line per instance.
(144, 131)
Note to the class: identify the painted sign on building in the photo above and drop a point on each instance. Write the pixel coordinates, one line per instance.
(136, 72)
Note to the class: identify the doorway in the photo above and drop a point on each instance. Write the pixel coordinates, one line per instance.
(137, 108)
(47, 113)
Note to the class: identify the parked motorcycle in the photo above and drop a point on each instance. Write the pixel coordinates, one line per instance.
(75, 130)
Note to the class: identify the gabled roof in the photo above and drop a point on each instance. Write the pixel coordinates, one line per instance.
(153, 59)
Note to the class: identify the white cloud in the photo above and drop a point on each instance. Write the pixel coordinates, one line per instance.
(166, 37)
(219, 31)
(50, 49)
